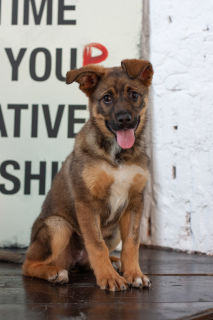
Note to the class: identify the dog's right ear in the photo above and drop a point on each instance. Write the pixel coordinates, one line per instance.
(87, 77)
(140, 69)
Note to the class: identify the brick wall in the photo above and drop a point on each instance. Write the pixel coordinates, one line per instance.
(181, 103)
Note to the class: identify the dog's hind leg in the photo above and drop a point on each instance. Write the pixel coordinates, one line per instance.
(48, 256)
(40, 270)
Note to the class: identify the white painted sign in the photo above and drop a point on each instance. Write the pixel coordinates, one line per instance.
(39, 114)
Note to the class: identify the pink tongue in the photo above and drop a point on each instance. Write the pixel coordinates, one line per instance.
(125, 138)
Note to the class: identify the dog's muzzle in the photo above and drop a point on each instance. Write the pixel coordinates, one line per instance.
(124, 129)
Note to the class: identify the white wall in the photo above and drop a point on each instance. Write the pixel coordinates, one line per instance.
(181, 50)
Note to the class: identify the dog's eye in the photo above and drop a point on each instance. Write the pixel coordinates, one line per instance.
(107, 98)
(134, 95)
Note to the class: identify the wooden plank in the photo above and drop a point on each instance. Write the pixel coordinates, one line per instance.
(155, 262)
(164, 289)
(156, 311)
(183, 292)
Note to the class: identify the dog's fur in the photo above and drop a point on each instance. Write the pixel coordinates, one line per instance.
(96, 199)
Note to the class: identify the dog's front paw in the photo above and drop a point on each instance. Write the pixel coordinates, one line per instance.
(137, 280)
(112, 282)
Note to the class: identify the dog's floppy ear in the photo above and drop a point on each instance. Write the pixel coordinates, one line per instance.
(87, 77)
(140, 69)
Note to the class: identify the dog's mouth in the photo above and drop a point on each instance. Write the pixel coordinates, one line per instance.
(125, 137)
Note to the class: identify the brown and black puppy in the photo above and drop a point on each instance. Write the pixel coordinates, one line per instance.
(96, 199)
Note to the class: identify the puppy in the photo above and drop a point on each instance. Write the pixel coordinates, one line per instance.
(96, 199)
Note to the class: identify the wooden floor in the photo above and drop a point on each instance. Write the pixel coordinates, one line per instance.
(182, 288)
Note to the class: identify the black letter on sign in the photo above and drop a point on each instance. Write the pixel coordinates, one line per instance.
(15, 63)
(52, 131)
(58, 65)
(54, 169)
(37, 17)
(34, 124)
(33, 64)
(73, 61)
(17, 120)
(10, 177)
(2, 125)
(73, 54)
(41, 177)
(15, 12)
(61, 9)
(72, 120)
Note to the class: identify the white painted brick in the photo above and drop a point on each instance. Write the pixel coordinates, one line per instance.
(181, 47)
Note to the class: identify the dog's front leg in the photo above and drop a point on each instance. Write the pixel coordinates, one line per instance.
(106, 276)
(130, 232)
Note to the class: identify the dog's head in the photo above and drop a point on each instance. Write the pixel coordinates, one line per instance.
(118, 97)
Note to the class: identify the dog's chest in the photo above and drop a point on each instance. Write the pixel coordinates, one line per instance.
(114, 186)
(124, 178)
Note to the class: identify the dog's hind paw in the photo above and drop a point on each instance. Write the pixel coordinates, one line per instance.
(116, 263)
(60, 277)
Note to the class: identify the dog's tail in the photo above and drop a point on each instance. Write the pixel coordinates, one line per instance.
(14, 257)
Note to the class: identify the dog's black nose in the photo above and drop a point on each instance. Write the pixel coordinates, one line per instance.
(124, 118)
